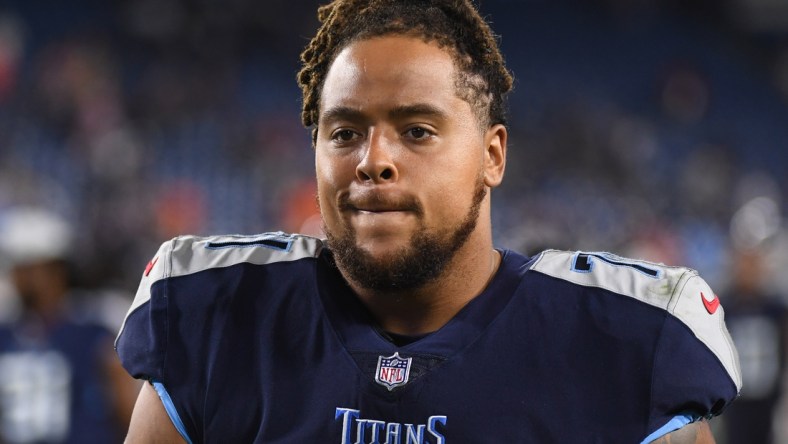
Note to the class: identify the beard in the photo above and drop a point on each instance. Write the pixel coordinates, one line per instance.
(411, 267)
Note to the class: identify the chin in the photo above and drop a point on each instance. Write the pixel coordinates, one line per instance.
(382, 247)
(396, 263)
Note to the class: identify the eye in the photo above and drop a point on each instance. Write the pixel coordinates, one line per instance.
(418, 133)
(344, 135)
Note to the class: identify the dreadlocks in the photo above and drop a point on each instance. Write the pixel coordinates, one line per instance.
(456, 25)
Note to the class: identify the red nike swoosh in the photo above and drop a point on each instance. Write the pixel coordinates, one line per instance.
(150, 265)
(712, 305)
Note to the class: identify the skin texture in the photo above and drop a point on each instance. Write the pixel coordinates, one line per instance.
(400, 156)
(150, 423)
(694, 433)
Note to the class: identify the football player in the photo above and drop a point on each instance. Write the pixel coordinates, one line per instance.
(406, 324)
(60, 381)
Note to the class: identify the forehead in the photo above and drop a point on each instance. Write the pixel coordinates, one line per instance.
(389, 71)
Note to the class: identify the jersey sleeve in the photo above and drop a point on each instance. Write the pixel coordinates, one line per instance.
(696, 368)
(190, 296)
(692, 364)
(160, 339)
(184, 291)
(142, 341)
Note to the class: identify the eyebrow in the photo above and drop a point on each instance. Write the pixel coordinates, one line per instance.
(420, 109)
(339, 113)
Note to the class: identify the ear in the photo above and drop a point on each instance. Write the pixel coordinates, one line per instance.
(495, 155)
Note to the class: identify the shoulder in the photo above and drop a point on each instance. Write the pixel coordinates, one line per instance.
(678, 291)
(652, 283)
(186, 255)
(190, 254)
(175, 299)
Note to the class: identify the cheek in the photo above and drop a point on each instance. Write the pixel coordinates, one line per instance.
(334, 171)
(456, 175)
(325, 191)
(331, 180)
(446, 201)
(325, 171)
(452, 196)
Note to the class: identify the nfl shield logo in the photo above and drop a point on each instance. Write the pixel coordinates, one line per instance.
(393, 371)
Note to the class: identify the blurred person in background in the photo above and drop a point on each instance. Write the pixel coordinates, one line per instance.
(60, 381)
(757, 319)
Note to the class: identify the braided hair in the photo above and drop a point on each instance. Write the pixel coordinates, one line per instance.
(483, 80)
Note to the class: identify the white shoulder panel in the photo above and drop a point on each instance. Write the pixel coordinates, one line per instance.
(190, 254)
(678, 290)
(697, 306)
(651, 283)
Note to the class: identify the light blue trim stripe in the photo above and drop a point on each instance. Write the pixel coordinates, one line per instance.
(674, 424)
(170, 407)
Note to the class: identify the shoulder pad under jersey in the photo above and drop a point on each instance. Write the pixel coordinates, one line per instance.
(678, 290)
(185, 255)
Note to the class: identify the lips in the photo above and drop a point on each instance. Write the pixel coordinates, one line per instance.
(378, 202)
(377, 209)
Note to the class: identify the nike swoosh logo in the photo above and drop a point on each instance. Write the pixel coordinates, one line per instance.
(711, 305)
(150, 265)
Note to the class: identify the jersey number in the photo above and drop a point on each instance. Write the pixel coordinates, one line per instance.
(584, 263)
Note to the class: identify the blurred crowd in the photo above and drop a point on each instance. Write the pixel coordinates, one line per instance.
(651, 128)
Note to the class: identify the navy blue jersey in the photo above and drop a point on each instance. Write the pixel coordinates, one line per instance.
(53, 385)
(259, 339)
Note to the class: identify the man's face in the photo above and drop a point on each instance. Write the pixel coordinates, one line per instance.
(400, 162)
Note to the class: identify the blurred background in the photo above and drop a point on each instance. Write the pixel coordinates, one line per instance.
(655, 129)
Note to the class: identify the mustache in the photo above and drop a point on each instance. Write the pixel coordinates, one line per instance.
(376, 200)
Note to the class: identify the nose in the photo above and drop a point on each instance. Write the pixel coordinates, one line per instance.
(378, 164)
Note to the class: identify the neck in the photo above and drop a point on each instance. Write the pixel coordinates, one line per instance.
(428, 308)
